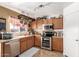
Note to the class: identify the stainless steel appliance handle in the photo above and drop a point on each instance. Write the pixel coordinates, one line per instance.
(77, 40)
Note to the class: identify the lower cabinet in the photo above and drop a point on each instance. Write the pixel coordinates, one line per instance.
(57, 44)
(2, 51)
(30, 42)
(26, 43)
(37, 41)
(23, 45)
(11, 48)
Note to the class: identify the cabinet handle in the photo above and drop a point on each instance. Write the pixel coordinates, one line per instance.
(77, 40)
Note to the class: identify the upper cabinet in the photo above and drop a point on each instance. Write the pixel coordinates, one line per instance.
(44, 21)
(34, 24)
(58, 23)
(49, 21)
(39, 23)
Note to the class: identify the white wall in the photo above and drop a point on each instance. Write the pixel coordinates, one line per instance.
(71, 30)
(71, 8)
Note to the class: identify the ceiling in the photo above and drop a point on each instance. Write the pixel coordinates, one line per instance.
(31, 8)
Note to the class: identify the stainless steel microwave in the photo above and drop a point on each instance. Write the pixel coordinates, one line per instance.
(48, 26)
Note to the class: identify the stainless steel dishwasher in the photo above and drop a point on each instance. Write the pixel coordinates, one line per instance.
(12, 48)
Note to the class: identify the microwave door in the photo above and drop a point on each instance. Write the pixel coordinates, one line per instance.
(47, 27)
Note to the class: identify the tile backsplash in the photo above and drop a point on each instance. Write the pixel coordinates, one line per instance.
(58, 33)
(19, 33)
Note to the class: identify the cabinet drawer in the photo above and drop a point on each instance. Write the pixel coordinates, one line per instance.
(23, 46)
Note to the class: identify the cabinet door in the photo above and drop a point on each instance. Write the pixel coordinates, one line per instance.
(2, 49)
(6, 50)
(44, 21)
(49, 21)
(39, 23)
(55, 22)
(33, 25)
(58, 23)
(58, 44)
(30, 42)
(37, 41)
(27, 42)
(55, 44)
(23, 44)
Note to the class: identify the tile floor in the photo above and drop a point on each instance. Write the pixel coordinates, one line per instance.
(36, 52)
(47, 53)
(30, 52)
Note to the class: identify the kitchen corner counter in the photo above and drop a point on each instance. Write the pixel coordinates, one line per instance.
(14, 38)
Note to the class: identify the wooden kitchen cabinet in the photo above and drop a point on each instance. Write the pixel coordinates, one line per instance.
(34, 24)
(38, 41)
(2, 49)
(26, 43)
(39, 23)
(44, 21)
(30, 42)
(49, 21)
(23, 45)
(11, 48)
(58, 23)
(57, 44)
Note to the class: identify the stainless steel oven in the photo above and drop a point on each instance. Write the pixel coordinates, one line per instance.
(46, 39)
(46, 43)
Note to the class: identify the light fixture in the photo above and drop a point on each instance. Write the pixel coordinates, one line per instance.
(16, 3)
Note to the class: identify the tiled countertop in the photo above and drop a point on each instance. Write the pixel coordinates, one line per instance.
(16, 37)
(19, 37)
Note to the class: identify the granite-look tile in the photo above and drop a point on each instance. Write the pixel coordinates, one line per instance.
(47, 53)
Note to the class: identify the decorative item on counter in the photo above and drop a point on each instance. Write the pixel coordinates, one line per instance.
(53, 18)
(43, 17)
(31, 31)
(60, 16)
(57, 17)
(53, 26)
(27, 33)
(55, 33)
(60, 33)
(24, 18)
